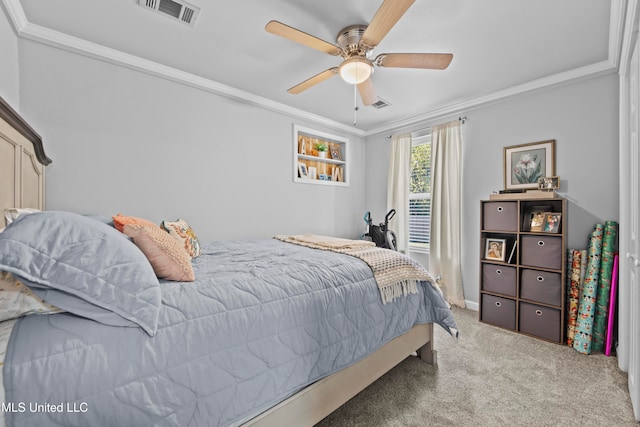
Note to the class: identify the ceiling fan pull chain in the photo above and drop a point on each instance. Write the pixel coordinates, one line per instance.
(355, 105)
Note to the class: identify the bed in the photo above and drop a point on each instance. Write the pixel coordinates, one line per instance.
(268, 333)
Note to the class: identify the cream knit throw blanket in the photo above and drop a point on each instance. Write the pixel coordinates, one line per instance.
(396, 274)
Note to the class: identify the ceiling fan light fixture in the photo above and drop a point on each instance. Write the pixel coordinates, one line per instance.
(356, 70)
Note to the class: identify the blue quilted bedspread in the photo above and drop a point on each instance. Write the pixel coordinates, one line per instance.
(263, 320)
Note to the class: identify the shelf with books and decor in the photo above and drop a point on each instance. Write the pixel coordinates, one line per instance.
(319, 157)
(522, 265)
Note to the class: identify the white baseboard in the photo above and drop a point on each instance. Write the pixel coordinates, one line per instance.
(472, 305)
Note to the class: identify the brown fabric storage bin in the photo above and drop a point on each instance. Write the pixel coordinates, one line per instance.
(541, 286)
(499, 279)
(499, 311)
(541, 251)
(543, 322)
(500, 216)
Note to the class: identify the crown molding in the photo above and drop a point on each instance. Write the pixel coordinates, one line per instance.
(16, 14)
(44, 35)
(569, 77)
(617, 37)
(629, 30)
(64, 41)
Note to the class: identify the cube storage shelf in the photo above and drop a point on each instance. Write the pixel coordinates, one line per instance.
(522, 280)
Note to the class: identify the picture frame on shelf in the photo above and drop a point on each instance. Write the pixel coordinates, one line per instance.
(495, 249)
(552, 222)
(302, 170)
(549, 183)
(335, 152)
(536, 221)
(525, 164)
(534, 218)
(312, 172)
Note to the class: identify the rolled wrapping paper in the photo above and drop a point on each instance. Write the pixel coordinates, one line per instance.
(612, 308)
(604, 286)
(573, 296)
(586, 310)
(584, 259)
(568, 270)
(567, 288)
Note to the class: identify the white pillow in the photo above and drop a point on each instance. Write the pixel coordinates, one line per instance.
(17, 300)
(11, 214)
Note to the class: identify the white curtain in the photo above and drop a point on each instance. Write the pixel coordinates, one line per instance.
(445, 254)
(398, 189)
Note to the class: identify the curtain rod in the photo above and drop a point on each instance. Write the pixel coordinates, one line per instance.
(462, 121)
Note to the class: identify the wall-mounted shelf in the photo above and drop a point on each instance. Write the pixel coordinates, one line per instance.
(310, 166)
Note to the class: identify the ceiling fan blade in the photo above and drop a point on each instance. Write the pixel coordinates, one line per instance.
(385, 18)
(367, 92)
(318, 78)
(434, 61)
(293, 34)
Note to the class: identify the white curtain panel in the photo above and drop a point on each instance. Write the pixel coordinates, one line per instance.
(445, 253)
(398, 189)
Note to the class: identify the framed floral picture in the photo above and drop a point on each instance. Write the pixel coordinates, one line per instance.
(525, 164)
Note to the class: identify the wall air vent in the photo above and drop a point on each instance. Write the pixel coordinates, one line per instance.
(180, 10)
(380, 103)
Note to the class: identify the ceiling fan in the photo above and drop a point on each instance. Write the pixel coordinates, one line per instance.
(354, 43)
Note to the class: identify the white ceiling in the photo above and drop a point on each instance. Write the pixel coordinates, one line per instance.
(498, 46)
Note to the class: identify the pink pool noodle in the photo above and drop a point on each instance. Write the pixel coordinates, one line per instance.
(612, 307)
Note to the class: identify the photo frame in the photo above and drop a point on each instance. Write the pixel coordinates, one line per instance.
(525, 164)
(335, 152)
(302, 170)
(534, 218)
(312, 172)
(549, 183)
(495, 249)
(552, 222)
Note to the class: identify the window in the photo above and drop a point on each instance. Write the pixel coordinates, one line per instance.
(419, 194)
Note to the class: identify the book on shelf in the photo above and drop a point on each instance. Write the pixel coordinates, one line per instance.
(513, 251)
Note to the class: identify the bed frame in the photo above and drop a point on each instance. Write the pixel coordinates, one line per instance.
(22, 164)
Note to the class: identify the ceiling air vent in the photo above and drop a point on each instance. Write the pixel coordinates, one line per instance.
(380, 103)
(180, 10)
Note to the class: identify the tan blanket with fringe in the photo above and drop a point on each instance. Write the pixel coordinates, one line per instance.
(396, 274)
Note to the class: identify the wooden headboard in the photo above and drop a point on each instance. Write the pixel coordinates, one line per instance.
(22, 162)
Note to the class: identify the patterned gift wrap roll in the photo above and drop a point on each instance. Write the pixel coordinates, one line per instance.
(612, 308)
(587, 307)
(573, 295)
(583, 266)
(567, 288)
(604, 285)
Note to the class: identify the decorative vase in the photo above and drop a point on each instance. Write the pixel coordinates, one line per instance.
(322, 154)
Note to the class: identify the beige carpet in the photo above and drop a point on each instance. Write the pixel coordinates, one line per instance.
(493, 377)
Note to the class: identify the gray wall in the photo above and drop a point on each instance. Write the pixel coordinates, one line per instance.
(583, 119)
(9, 64)
(124, 141)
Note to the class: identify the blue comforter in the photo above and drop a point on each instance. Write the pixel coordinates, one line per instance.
(263, 320)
